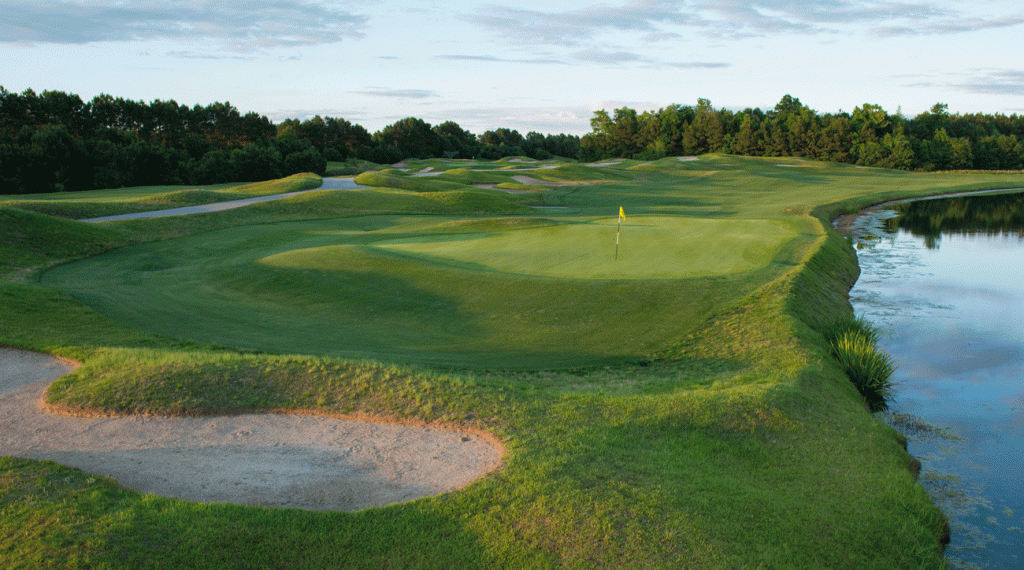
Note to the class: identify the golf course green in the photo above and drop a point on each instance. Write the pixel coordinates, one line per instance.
(669, 401)
(403, 290)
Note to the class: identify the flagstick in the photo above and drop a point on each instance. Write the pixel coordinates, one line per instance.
(617, 228)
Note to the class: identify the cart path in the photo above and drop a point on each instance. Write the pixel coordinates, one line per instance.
(328, 184)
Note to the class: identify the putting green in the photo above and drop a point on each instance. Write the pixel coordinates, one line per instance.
(648, 247)
(400, 288)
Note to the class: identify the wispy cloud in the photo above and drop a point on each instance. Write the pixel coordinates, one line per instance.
(238, 26)
(1005, 82)
(662, 20)
(952, 26)
(397, 93)
(304, 114)
(699, 65)
(984, 81)
(592, 56)
(494, 59)
(576, 27)
(608, 57)
(655, 37)
(554, 119)
(198, 55)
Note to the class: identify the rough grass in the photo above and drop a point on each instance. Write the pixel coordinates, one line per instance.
(734, 441)
(29, 240)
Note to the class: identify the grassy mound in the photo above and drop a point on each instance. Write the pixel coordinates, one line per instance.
(470, 176)
(476, 201)
(28, 239)
(192, 197)
(392, 179)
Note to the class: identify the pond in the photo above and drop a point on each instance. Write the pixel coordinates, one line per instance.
(943, 279)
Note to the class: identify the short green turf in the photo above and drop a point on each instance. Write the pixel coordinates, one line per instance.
(336, 287)
(679, 414)
(645, 247)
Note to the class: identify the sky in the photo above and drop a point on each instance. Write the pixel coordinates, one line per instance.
(542, 66)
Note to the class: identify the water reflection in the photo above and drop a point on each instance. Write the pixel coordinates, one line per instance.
(954, 317)
(1000, 215)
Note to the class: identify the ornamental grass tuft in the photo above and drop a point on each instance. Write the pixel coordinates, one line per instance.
(868, 367)
(846, 325)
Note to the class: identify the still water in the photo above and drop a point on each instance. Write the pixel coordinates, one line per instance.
(944, 282)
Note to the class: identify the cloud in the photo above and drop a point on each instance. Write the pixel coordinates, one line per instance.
(758, 18)
(809, 12)
(306, 114)
(570, 120)
(989, 82)
(494, 59)
(661, 20)
(655, 37)
(196, 55)
(699, 65)
(1006, 82)
(239, 26)
(608, 57)
(957, 26)
(592, 56)
(576, 27)
(399, 93)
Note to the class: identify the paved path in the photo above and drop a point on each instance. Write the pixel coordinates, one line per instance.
(328, 184)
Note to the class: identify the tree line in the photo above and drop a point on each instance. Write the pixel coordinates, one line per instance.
(869, 136)
(55, 141)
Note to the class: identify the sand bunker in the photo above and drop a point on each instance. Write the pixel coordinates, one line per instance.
(278, 460)
(535, 182)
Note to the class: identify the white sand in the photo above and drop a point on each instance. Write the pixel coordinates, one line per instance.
(279, 460)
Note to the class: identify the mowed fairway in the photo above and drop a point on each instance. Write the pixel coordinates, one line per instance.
(406, 289)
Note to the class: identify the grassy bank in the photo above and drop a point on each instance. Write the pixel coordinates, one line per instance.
(683, 413)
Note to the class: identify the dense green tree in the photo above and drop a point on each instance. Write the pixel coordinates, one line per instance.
(411, 137)
(308, 160)
(706, 132)
(457, 142)
(55, 161)
(567, 146)
(497, 137)
(745, 142)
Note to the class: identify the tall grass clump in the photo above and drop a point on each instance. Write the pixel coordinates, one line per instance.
(848, 325)
(854, 344)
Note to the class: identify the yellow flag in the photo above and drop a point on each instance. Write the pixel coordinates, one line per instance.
(622, 214)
